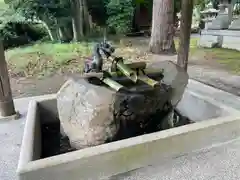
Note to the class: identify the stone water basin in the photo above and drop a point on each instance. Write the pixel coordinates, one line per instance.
(215, 123)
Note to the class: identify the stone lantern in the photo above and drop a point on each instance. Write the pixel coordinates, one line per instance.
(209, 14)
(222, 19)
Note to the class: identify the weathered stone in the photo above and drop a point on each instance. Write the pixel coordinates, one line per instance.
(235, 25)
(222, 19)
(210, 41)
(174, 76)
(211, 38)
(91, 115)
(221, 22)
(85, 113)
(232, 42)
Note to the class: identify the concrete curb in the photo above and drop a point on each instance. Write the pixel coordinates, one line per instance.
(122, 156)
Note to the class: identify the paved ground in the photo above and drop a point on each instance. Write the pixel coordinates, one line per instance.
(215, 77)
(209, 74)
(11, 133)
(221, 162)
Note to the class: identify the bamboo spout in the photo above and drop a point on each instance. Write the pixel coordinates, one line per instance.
(127, 71)
(149, 81)
(113, 84)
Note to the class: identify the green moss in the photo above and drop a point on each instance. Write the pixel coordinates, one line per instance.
(229, 59)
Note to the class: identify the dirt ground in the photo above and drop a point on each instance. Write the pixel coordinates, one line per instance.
(201, 68)
(206, 73)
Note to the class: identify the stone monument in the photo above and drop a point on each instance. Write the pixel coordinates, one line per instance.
(224, 31)
(209, 14)
(222, 19)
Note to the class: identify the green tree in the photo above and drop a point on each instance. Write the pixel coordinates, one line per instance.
(52, 14)
(120, 15)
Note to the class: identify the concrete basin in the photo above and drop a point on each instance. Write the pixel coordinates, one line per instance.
(216, 122)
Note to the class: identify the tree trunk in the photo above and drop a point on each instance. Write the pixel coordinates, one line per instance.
(74, 27)
(64, 28)
(86, 17)
(77, 14)
(50, 34)
(6, 101)
(185, 33)
(67, 32)
(81, 18)
(162, 33)
(135, 22)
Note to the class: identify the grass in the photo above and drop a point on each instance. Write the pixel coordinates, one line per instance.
(46, 58)
(230, 59)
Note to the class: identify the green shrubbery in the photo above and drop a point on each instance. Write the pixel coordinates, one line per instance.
(16, 34)
(120, 15)
(117, 15)
(55, 18)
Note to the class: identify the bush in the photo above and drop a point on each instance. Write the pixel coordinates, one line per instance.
(17, 34)
(120, 15)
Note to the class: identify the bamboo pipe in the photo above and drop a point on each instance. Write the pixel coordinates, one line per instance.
(125, 70)
(149, 81)
(112, 84)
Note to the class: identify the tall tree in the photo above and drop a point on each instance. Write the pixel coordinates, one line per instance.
(81, 19)
(77, 20)
(162, 27)
(185, 33)
(49, 13)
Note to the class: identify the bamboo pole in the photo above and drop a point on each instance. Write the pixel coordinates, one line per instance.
(113, 84)
(6, 102)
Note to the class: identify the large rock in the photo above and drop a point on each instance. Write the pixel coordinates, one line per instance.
(85, 113)
(91, 114)
(210, 41)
